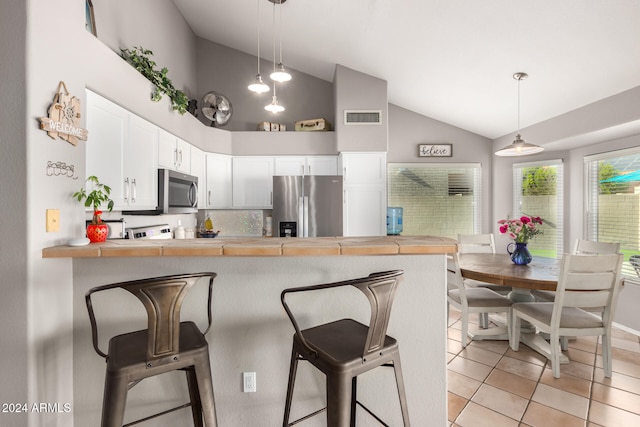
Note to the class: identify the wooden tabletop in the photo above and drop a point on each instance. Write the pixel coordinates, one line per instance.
(498, 269)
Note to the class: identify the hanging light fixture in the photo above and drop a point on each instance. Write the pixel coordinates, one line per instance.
(519, 147)
(279, 73)
(274, 107)
(258, 86)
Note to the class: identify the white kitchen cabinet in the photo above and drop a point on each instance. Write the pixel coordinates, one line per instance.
(218, 194)
(198, 169)
(173, 152)
(139, 164)
(121, 152)
(309, 165)
(364, 168)
(365, 193)
(253, 182)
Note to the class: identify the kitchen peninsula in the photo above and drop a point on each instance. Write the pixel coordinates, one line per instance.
(251, 332)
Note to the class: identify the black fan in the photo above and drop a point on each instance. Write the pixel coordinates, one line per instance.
(217, 108)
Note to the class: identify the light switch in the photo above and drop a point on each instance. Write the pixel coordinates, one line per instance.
(53, 220)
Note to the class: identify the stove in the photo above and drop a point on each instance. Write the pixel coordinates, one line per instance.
(161, 231)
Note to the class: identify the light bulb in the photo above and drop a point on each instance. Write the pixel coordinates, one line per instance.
(280, 74)
(258, 86)
(274, 107)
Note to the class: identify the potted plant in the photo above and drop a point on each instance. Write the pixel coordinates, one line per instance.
(97, 231)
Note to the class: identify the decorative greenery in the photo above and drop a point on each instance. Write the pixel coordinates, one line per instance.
(95, 198)
(608, 171)
(521, 230)
(140, 59)
(539, 181)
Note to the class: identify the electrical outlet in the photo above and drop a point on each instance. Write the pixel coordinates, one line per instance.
(53, 220)
(249, 382)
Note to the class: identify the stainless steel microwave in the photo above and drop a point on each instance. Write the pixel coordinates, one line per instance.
(177, 192)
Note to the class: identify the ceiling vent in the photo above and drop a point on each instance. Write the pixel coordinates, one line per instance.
(362, 117)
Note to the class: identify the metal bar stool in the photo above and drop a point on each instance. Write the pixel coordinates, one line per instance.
(166, 345)
(344, 349)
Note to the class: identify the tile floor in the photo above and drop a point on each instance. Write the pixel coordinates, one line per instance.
(491, 385)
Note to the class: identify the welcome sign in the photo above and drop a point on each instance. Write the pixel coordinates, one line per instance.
(64, 118)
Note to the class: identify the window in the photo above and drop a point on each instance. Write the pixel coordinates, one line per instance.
(437, 199)
(613, 203)
(537, 191)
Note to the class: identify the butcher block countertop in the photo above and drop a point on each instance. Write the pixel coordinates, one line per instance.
(268, 246)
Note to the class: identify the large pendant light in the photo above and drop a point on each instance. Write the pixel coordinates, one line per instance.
(519, 147)
(258, 86)
(279, 73)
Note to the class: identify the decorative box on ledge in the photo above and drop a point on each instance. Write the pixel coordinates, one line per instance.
(313, 125)
(272, 127)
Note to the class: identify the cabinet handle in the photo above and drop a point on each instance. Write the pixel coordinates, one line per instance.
(344, 172)
(209, 198)
(126, 190)
(133, 190)
(309, 169)
(180, 159)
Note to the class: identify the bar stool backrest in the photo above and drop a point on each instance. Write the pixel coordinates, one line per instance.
(162, 299)
(379, 288)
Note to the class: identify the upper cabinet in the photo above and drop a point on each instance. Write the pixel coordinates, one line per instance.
(253, 182)
(365, 193)
(121, 152)
(218, 186)
(309, 165)
(173, 153)
(198, 170)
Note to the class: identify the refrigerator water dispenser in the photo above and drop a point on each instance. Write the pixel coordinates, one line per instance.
(288, 229)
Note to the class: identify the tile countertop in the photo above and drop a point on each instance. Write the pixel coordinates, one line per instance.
(270, 246)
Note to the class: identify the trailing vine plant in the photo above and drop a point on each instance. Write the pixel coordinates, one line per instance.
(140, 59)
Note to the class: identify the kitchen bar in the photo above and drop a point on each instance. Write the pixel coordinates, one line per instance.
(250, 330)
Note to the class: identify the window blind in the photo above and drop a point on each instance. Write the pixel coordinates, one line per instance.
(538, 191)
(437, 199)
(612, 204)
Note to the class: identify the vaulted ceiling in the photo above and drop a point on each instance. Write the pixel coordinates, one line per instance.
(449, 60)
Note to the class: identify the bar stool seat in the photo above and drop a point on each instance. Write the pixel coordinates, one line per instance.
(166, 345)
(345, 348)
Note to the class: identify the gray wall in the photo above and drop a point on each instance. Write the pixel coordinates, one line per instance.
(408, 129)
(13, 202)
(230, 71)
(358, 91)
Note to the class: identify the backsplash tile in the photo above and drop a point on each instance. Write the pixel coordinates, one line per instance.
(235, 223)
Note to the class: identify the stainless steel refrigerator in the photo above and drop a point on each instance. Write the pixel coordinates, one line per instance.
(307, 206)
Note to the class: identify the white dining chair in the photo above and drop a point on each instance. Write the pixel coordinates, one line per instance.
(480, 244)
(581, 247)
(585, 282)
(471, 299)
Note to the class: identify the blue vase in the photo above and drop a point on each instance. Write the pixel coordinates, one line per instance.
(520, 255)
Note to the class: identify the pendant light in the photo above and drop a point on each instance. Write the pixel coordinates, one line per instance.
(519, 147)
(279, 73)
(274, 107)
(258, 86)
